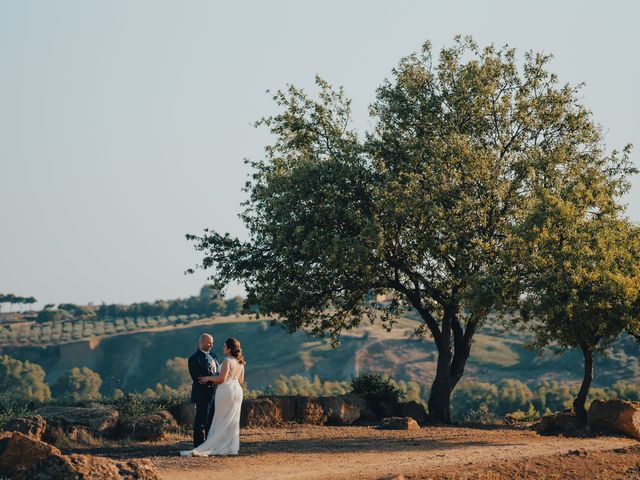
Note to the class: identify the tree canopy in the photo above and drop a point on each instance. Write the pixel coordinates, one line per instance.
(423, 206)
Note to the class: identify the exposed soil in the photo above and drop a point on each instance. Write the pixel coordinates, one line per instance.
(309, 452)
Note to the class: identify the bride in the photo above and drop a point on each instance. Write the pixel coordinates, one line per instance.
(224, 435)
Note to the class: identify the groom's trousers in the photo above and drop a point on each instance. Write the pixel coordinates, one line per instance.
(203, 420)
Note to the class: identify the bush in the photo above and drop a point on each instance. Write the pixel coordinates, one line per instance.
(79, 384)
(376, 390)
(484, 415)
(136, 404)
(14, 407)
(22, 379)
(470, 395)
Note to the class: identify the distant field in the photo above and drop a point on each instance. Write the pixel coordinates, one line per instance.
(134, 358)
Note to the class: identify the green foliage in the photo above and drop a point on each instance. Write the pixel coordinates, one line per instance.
(513, 395)
(377, 390)
(471, 395)
(176, 372)
(79, 384)
(483, 415)
(424, 206)
(301, 385)
(12, 299)
(22, 379)
(12, 406)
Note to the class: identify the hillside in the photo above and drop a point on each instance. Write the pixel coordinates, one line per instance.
(135, 360)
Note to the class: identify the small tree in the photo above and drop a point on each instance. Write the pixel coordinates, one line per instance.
(421, 208)
(79, 384)
(23, 380)
(176, 372)
(583, 283)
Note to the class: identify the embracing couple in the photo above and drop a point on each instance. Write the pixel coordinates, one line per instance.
(217, 393)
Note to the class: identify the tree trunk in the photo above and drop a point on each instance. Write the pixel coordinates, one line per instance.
(462, 340)
(581, 399)
(440, 396)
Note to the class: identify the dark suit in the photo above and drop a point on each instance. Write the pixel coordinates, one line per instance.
(202, 364)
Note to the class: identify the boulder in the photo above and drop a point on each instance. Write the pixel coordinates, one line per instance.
(33, 426)
(149, 427)
(289, 407)
(309, 411)
(560, 423)
(60, 432)
(399, 423)
(96, 418)
(18, 452)
(615, 416)
(184, 413)
(260, 412)
(87, 467)
(414, 410)
(343, 409)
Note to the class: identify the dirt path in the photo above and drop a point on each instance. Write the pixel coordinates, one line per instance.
(305, 452)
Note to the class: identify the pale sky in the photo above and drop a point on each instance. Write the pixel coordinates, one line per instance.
(124, 124)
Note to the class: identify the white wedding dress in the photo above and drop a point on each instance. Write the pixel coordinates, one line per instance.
(224, 434)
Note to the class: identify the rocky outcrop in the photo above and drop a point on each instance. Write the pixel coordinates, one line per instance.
(87, 467)
(32, 426)
(25, 458)
(149, 427)
(260, 412)
(184, 413)
(343, 409)
(615, 416)
(60, 432)
(560, 423)
(309, 411)
(399, 423)
(414, 410)
(96, 418)
(339, 410)
(18, 453)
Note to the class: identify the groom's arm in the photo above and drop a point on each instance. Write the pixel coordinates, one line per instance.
(195, 368)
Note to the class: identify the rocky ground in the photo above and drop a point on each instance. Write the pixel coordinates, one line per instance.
(319, 452)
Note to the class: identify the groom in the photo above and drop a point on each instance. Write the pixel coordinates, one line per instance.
(203, 363)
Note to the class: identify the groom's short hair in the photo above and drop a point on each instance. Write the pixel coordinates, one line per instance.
(205, 335)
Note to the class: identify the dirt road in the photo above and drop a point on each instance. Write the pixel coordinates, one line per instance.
(306, 452)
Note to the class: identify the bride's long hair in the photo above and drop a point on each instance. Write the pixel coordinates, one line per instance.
(236, 350)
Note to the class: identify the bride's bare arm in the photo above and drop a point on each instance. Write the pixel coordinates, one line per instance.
(224, 373)
(241, 376)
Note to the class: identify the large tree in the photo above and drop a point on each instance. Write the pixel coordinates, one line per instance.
(420, 207)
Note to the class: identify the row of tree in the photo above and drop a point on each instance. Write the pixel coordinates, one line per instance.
(484, 185)
(207, 302)
(11, 299)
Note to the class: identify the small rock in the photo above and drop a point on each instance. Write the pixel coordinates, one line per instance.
(399, 423)
(32, 426)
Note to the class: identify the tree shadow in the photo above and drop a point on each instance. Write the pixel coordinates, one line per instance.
(302, 446)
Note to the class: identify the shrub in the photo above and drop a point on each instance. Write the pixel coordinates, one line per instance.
(376, 390)
(79, 384)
